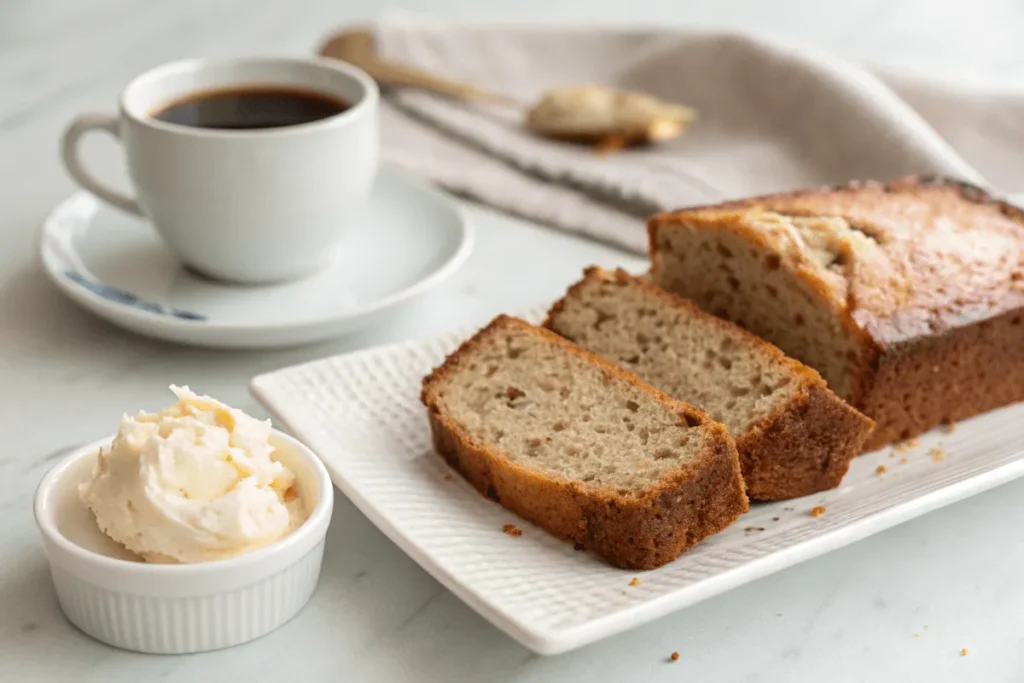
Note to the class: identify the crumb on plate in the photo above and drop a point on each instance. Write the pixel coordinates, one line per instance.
(610, 145)
(938, 455)
(880, 469)
(817, 511)
(906, 445)
(753, 528)
(903, 461)
(775, 519)
(448, 477)
(512, 530)
(674, 656)
(964, 652)
(949, 426)
(635, 581)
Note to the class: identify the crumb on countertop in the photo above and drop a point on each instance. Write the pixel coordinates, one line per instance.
(674, 656)
(817, 511)
(938, 455)
(964, 652)
(749, 529)
(635, 581)
(512, 530)
(880, 469)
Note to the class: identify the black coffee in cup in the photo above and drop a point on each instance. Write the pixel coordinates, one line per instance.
(250, 107)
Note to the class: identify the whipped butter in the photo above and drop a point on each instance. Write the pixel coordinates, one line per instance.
(194, 482)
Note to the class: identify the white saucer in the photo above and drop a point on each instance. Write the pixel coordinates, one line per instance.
(408, 239)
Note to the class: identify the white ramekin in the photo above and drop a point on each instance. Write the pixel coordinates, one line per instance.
(176, 609)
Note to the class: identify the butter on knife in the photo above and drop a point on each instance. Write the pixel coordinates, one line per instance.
(606, 116)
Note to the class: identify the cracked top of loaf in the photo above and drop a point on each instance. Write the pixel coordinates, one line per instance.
(904, 259)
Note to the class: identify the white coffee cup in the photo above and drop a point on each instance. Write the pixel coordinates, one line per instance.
(254, 205)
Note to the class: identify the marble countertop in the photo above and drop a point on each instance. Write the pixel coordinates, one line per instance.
(897, 606)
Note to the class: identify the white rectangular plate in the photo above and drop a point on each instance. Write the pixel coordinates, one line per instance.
(361, 413)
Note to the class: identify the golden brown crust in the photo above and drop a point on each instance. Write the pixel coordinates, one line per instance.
(635, 532)
(950, 377)
(804, 446)
(951, 349)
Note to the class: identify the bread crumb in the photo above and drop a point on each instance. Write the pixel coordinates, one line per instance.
(635, 581)
(775, 519)
(906, 445)
(753, 528)
(512, 530)
(448, 477)
(903, 461)
(964, 652)
(880, 469)
(938, 455)
(674, 656)
(949, 426)
(610, 145)
(917, 635)
(817, 511)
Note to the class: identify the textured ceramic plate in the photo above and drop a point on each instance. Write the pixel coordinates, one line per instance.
(115, 266)
(361, 414)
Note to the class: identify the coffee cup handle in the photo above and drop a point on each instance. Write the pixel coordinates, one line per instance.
(69, 149)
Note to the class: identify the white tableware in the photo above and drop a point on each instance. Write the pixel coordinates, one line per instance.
(116, 598)
(252, 206)
(362, 414)
(407, 239)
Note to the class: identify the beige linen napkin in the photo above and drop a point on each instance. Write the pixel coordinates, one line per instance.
(771, 117)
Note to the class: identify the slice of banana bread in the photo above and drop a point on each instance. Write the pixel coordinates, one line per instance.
(908, 296)
(582, 448)
(794, 436)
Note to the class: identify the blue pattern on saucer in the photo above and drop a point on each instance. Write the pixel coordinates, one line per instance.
(128, 299)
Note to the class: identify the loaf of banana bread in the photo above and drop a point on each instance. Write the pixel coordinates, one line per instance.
(907, 296)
